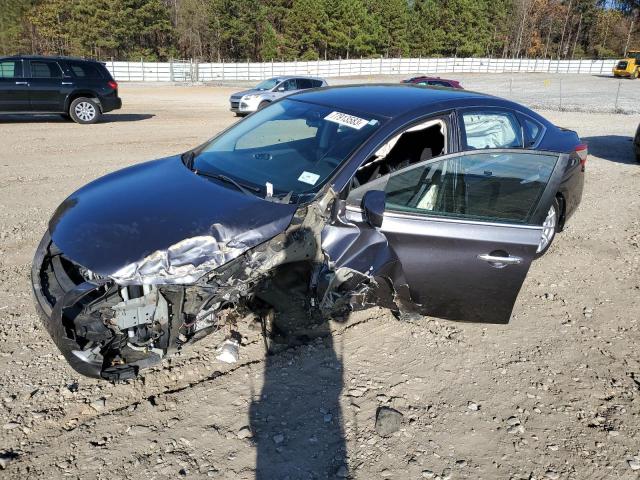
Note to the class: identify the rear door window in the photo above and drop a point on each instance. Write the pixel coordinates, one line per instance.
(84, 70)
(45, 69)
(532, 129)
(304, 83)
(316, 83)
(10, 69)
(438, 83)
(491, 129)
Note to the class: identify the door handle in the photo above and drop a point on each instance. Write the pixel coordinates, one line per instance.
(498, 261)
(22, 83)
(67, 83)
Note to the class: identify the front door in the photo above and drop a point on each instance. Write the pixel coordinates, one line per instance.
(465, 227)
(14, 89)
(47, 86)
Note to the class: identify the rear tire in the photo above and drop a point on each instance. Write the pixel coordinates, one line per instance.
(549, 228)
(84, 111)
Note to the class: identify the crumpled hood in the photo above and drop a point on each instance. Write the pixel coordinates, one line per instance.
(158, 222)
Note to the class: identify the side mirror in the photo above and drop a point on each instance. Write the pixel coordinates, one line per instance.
(281, 89)
(373, 207)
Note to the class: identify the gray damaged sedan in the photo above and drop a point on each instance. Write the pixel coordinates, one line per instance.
(420, 200)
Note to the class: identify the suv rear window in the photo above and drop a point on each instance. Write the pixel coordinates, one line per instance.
(85, 70)
(10, 69)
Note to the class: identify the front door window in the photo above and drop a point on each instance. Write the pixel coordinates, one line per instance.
(502, 187)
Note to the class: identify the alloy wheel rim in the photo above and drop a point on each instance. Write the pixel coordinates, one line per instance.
(548, 229)
(85, 111)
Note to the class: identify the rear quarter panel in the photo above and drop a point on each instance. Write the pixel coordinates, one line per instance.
(561, 140)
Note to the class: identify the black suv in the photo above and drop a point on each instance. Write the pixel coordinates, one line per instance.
(80, 89)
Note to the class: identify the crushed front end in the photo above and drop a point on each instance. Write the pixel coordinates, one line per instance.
(110, 331)
(112, 326)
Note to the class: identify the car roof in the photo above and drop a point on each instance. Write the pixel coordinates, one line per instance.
(425, 77)
(288, 77)
(392, 100)
(45, 57)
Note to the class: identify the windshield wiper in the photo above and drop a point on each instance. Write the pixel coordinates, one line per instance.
(247, 189)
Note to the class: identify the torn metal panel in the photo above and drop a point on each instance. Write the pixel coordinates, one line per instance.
(139, 221)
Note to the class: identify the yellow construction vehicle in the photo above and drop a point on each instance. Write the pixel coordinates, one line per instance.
(628, 67)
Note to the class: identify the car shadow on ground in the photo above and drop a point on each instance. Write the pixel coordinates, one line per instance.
(297, 422)
(615, 148)
(107, 118)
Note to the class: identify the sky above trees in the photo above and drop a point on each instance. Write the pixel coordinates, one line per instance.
(261, 30)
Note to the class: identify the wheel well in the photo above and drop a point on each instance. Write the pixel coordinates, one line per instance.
(75, 95)
(563, 208)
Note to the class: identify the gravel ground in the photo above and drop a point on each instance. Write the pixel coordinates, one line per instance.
(554, 394)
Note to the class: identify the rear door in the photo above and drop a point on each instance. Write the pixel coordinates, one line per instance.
(466, 227)
(304, 83)
(48, 88)
(14, 88)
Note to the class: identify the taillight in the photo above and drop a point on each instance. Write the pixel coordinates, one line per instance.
(113, 84)
(582, 151)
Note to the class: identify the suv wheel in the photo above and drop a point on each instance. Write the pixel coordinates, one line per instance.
(84, 111)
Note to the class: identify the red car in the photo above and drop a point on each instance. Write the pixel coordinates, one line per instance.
(433, 81)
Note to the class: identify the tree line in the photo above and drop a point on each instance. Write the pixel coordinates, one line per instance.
(263, 30)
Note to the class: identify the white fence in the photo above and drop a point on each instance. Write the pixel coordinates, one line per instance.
(191, 71)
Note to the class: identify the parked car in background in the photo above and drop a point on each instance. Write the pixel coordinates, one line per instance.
(629, 66)
(421, 200)
(79, 89)
(248, 101)
(433, 82)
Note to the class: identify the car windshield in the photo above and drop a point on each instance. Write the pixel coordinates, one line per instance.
(268, 84)
(293, 146)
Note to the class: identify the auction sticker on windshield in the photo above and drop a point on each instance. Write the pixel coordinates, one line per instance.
(346, 120)
(308, 177)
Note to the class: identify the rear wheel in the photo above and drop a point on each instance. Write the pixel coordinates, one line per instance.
(84, 111)
(549, 227)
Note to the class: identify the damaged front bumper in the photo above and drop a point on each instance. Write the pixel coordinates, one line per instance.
(89, 321)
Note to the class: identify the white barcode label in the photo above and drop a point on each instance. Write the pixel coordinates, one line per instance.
(346, 120)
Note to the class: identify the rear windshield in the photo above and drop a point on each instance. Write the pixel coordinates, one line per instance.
(86, 70)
